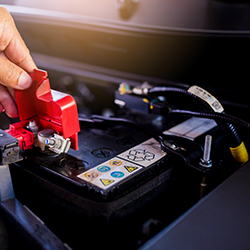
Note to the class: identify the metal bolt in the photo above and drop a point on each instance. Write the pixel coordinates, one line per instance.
(50, 142)
(206, 161)
(33, 127)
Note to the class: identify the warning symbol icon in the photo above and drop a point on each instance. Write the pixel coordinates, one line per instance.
(106, 182)
(130, 169)
(115, 162)
(91, 175)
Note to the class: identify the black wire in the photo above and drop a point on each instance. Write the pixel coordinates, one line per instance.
(229, 130)
(166, 89)
(163, 89)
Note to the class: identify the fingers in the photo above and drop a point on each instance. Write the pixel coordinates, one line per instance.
(1, 108)
(12, 93)
(7, 103)
(15, 63)
(15, 58)
(12, 43)
(13, 76)
(17, 52)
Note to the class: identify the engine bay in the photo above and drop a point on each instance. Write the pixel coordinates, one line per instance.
(128, 127)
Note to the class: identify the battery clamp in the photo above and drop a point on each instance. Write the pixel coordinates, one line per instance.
(48, 118)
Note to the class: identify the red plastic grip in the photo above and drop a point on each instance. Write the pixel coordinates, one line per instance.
(49, 108)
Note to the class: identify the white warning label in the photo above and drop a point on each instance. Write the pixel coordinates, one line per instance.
(124, 165)
(145, 153)
(207, 97)
(110, 172)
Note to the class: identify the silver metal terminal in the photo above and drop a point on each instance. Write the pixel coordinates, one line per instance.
(50, 142)
(206, 161)
(143, 89)
(48, 138)
(55, 141)
(58, 144)
(33, 127)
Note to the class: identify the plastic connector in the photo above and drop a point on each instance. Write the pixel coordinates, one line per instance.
(124, 88)
(141, 104)
(24, 136)
(9, 148)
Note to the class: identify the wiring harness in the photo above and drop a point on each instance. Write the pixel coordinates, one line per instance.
(210, 108)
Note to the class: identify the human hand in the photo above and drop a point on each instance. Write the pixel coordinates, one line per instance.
(15, 64)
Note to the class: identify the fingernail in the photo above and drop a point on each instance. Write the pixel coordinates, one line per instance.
(24, 80)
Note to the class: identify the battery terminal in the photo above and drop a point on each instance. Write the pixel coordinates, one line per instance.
(49, 138)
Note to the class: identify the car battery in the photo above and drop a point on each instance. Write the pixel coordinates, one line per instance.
(116, 176)
(123, 167)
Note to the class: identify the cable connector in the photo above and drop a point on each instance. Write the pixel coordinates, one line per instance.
(158, 107)
(124, 88)
(9, 149)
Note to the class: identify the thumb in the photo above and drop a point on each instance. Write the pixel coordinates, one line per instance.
(13, 76)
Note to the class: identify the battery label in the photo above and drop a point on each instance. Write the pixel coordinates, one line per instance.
(144, 154)
(109, 173)
(124, 165)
